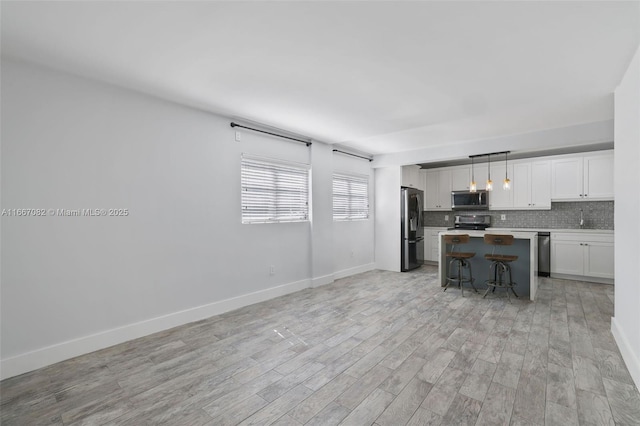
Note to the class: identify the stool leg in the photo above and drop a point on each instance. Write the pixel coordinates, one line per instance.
(471, 276)
(503, 283)
(491, 266)
(448, 275)
(511, 282)
(460, 278)
(451, 278)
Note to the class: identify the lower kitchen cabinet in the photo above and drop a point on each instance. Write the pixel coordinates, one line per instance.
(583, 256)
(567, 257)
(599, 260)
(431, 248)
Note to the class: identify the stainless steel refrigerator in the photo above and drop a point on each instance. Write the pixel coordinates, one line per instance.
(412, 235)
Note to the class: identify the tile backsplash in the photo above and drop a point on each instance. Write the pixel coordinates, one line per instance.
(596, 214)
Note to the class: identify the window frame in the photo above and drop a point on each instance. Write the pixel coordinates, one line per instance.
(290, 185)
(353, 207)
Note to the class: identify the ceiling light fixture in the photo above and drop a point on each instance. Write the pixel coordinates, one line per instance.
(489, 181)
(506, 183)
(472, 186)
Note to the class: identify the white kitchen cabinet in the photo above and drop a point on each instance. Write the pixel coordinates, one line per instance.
(411, 176)
(567, 257)
(431, 189)
(437, 190)
(598, 177)
(427, 247)
(499, 198)
(582, 177)
(541, 185)
(532, 185)
(481, 174)
(599, 260)
(423, 187)
(431, 241)
(582, 255)
(567, 178)
(460, 178)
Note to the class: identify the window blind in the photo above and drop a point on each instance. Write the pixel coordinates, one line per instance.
(274, 191)
(350, 197)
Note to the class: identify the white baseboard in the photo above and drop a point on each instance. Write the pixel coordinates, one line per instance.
(324, 280)
(39, 358)
(583, 278)
(631, 359)
(353, 271)
(328, 279)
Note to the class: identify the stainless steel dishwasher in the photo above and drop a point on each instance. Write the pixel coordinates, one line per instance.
(544, 254)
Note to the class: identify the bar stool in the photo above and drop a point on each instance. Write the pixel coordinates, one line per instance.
(500, 264)
(461, 260)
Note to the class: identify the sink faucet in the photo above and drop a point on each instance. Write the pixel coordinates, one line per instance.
(581, 219)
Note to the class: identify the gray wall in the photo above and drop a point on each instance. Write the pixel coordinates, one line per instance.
(625, 325)
(597, 215)
(72, 285)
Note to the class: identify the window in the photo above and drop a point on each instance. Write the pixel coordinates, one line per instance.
(274, 191)
(350, 197)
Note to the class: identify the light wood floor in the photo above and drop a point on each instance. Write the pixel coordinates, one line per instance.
(377, 348)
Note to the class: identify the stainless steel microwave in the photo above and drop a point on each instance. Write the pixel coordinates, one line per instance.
(467, 200)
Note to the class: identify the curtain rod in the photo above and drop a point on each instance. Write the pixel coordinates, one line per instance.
(491, 153)
(269, 133)
(353, 155)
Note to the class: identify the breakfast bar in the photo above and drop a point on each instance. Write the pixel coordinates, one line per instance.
(525, 269)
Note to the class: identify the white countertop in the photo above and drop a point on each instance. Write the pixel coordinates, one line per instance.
(497, 229)
(580, 231)
(519, 235)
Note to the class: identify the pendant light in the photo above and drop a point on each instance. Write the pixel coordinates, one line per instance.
(506, 183)
(472, 186)
(489, 181)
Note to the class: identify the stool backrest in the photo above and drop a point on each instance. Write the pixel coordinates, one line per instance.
(498, 239)
(456, 238)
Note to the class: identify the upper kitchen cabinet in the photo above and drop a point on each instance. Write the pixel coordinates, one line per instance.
(500, 198)
(411, 177)
(598, 177)
(582, 177)
(532, 185)
(437, 189)
(481, 174)
(460, 178)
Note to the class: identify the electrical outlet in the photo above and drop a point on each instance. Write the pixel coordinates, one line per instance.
(503, 217)
(238, 136)
(446, 217)
(272, 270)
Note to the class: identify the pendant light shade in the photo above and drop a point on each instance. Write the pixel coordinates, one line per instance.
(489, 181)
(472, 186)
(506, 183)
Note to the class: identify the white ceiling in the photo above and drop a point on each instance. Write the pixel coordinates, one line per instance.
(380, 77)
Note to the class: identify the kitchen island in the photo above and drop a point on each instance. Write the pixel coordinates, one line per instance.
(525, 269)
